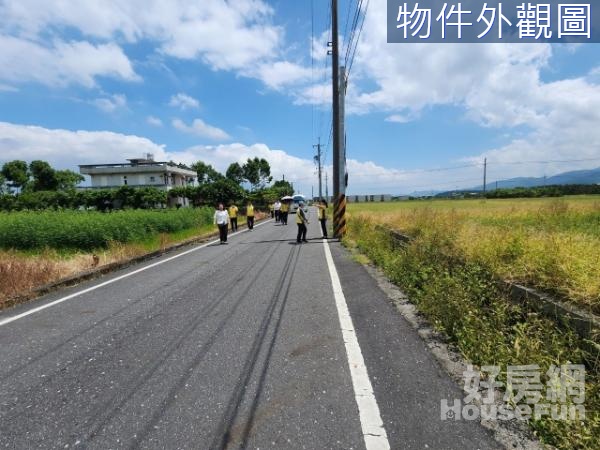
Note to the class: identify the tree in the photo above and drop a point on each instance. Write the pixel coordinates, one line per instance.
(67, 179)
(16, 173)
(258, 172)
(2, 184)
(235, 172)
(44, 176)
(222, 191)
(206, 172)
(283, 188)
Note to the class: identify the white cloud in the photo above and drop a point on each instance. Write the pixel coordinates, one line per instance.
(400, 118)
(61, 63)
(495, 85)
(59, 147)
(315, 94)
(67, 149)
(237, 35)
(184, 102)
(110, 104)
(283, 73)
(154, 121)
(202, 129)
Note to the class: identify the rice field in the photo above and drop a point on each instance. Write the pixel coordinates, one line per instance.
(547, 243)
(449, 271)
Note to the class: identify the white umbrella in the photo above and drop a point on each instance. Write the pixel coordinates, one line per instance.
(287, 197)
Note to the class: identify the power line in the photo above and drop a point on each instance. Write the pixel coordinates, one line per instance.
(350, 39)
(364, 16)
(347, 20)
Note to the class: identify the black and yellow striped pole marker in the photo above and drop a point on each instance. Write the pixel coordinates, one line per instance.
(339, 216)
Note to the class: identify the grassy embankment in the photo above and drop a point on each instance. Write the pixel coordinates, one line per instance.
(41, 247)
(449, 270)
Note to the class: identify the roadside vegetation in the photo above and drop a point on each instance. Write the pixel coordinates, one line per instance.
(50, 229)
(549, 244)
(450, 267)
(22, 271)
(90, 230)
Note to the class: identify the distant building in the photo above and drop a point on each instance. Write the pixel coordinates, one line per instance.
(368, 198)
(142, 172)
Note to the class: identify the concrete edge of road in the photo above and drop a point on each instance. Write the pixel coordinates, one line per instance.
(74, 280)
(510, 434)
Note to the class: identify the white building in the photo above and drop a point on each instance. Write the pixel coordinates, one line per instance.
(142, 172)
(368, 198)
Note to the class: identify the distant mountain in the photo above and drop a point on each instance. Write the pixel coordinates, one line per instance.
(591, 176)
(574, 177)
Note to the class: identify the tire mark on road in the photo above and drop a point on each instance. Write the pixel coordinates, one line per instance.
(223, 437)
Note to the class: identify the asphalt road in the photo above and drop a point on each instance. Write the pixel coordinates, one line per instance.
(224, 346)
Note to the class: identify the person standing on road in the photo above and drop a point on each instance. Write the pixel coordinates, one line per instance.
(322, 205)
(277, 208)
(285, 208)
(233, 210)
(301, 221)
(221, 219)
(250, 215)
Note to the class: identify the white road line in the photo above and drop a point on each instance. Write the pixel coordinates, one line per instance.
(114, 280)
(370, 419)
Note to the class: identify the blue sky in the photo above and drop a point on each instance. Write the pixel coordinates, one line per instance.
(99, 82)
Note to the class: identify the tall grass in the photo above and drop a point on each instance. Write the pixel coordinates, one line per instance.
(550, 244)
(449, 270)
(84, 230)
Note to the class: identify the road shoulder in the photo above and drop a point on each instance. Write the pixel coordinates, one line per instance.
(409, 379)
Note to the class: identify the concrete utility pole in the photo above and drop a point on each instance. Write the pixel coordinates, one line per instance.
(318, 160)
(484, 174)
(339, 198)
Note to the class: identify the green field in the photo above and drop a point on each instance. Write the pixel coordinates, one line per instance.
(449, 271)
(550, 244)
(89, 230)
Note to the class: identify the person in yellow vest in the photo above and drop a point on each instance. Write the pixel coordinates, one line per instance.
(233, 211)
(250, 215)
(322, 205)
(284, 210)
(301, 221)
